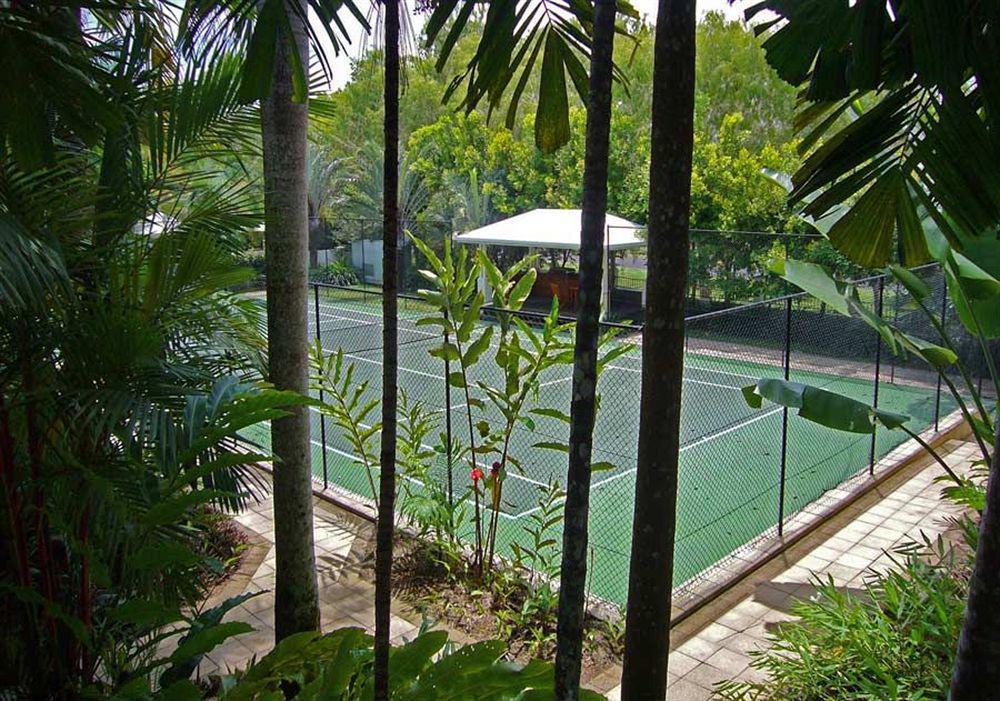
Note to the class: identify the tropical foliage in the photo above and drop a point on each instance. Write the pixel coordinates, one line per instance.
(900, 119)
(128, 366)
(339, 666)
(891, 638)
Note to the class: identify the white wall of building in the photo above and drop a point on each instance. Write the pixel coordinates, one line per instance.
(366, 256)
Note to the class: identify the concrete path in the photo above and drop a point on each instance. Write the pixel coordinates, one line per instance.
(343, 541)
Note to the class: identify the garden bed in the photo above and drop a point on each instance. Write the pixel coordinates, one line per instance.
(442, 586)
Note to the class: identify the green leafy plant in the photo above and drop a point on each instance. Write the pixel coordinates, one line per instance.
(522, 354)
(338, 666)
(458, 301)
(893, 640)
(974, 293)
(427, 501)
(537, 562)
(347, 403)
(336, 273)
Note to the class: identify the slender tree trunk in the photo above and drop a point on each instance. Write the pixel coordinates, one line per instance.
(283, 127)
(390, 261)
(573, 575)
(977, 663)
(647, 632)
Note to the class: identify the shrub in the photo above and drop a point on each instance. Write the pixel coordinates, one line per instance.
(254, 259)
(895, 640)
(335, 273)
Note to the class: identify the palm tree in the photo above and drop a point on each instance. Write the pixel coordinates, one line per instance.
(367, 194)
(273, 38)
(327, 177)
(284, 124)
(647, 632)
(516, 37)
(923, 138)
(583, 408)
(390, 357)
(122, 353)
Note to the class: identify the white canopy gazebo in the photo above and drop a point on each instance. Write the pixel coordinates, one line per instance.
(554, 229)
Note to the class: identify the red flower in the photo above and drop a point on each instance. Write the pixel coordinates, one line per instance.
(495, 470)
(476, 474)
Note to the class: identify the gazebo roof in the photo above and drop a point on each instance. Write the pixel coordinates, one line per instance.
(551, 228)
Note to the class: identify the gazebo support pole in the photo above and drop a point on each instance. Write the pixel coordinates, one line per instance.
(484, 285)
(605, 280)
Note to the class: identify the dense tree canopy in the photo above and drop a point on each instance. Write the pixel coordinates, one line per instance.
(744, 114)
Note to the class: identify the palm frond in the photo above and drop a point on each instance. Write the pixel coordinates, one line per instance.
(925, 139)
(516, 37)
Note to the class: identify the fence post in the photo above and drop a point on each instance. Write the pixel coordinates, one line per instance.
(447, 430)
(895, 323)
(322, 416)
(364, 267)
(937, 394)
(878, 371)
(784, 418)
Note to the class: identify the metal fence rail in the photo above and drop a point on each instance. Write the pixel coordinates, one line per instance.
(744, 472)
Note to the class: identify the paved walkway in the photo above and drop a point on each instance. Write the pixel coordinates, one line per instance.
(709, 646)
(343, 542)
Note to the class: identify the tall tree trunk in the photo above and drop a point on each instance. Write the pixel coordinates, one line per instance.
(977, 663)
(647, 632)
(390, 261)
(283, 128)
(573, 575)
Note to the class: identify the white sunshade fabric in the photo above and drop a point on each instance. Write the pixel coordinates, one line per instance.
(551, 228)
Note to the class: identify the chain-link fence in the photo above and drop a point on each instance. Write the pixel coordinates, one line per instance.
(726, 268)
(743, 472)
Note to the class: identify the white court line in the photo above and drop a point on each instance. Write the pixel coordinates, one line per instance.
(409, 479)
(700, 441)
(328, 315)
(555, 382)
(375, 315)
(689, 366)
(401, 368)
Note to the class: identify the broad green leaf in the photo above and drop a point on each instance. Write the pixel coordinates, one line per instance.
(408, 661)
(552, 117)
(145, 613)
(813, 279)
(478, 347)
(206, 640)
(821, 406)
(447, 351)
(552, 445)
(181, 690)
(913, 284)
(522, 289)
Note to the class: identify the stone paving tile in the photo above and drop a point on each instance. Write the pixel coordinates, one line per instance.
(345, 599)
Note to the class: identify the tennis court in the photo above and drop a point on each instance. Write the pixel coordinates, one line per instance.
(730, 455)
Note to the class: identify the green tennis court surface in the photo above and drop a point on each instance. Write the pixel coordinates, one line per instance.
(730, 455)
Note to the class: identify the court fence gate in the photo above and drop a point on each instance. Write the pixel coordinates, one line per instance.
(743, 473)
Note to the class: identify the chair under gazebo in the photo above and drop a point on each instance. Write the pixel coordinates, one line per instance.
(559, 230)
